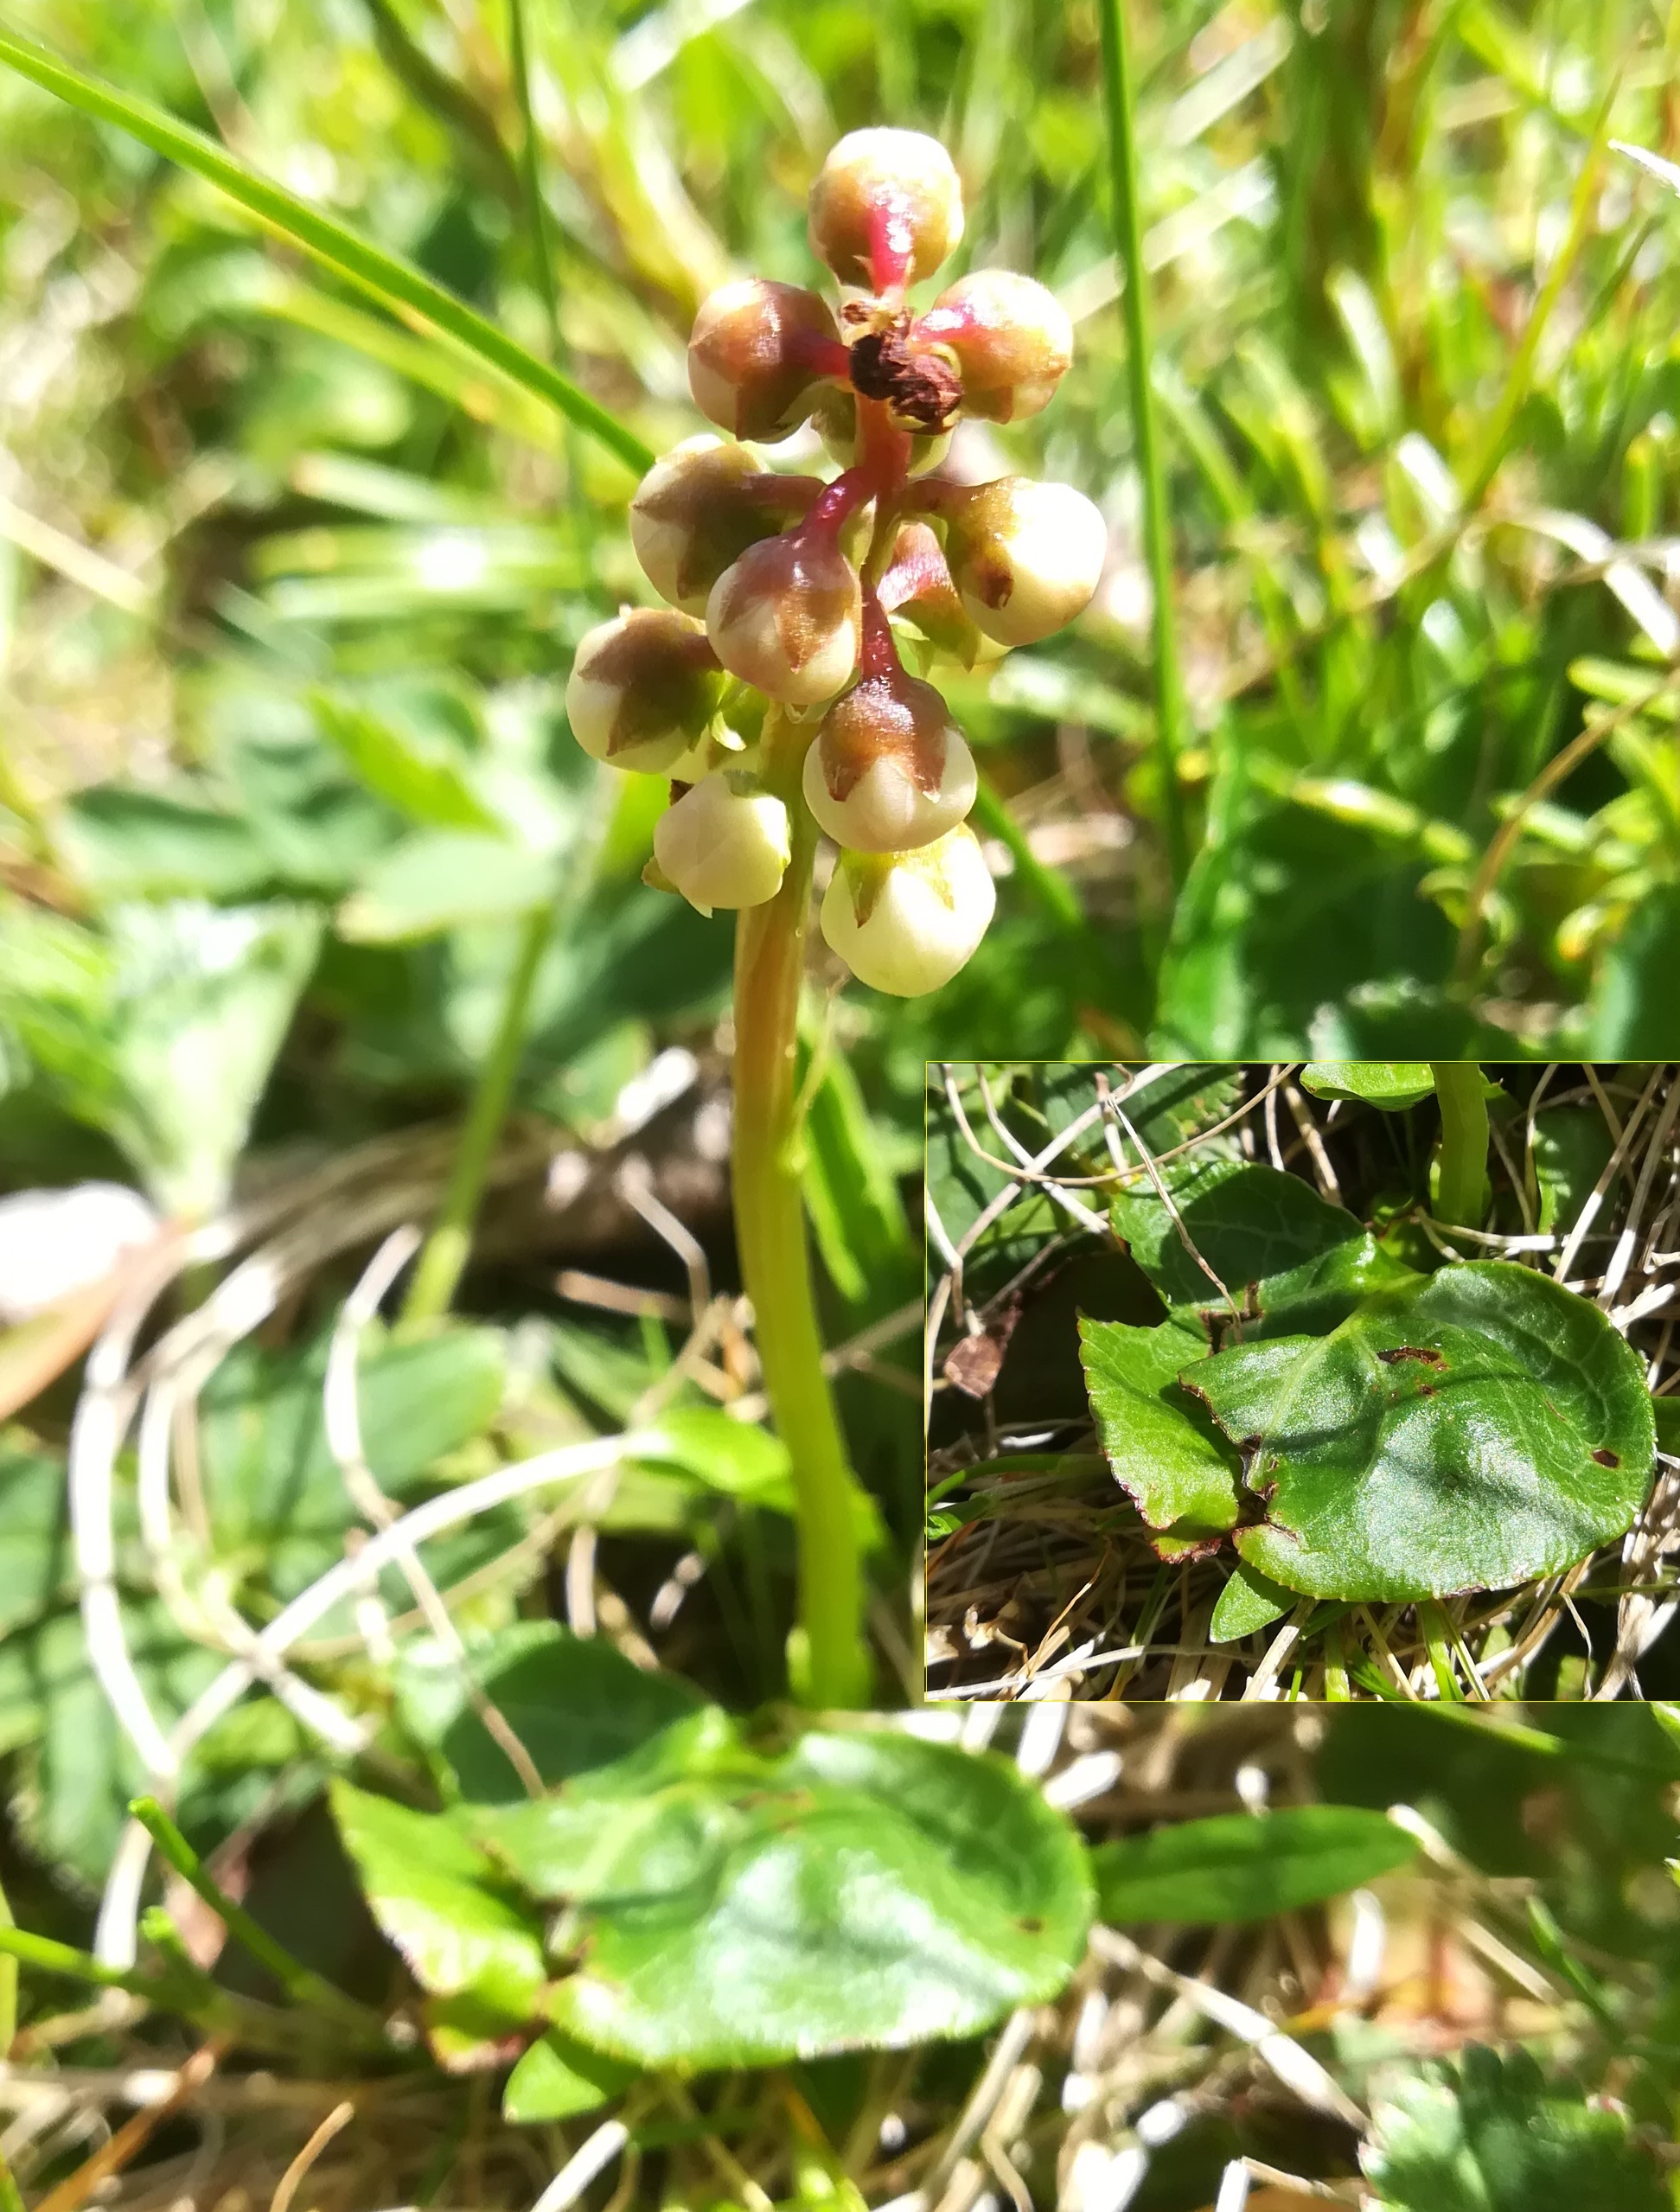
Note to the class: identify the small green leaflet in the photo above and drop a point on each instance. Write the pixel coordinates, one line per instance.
(1238, 1866)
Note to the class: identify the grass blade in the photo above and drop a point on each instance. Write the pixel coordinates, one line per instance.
(390, 278)
(1117, 92)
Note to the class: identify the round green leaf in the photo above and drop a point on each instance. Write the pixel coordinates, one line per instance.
(438, 1899)
(559, 2079)
(1166, 1453)
(862, 1889)
(1238, 1867)
(1468, 1430)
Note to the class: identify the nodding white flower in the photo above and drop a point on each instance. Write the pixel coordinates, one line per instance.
(886, 208)
(700, 507)
(787, 617)
(1025, 556)
(889, 769)
(904, 922)
(1011, 340)
(724, 842)
(642, 689)
(756, 355)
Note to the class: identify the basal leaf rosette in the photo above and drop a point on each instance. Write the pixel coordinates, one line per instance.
(1348, 1428)
(687, 1894)
(1471, 1430)
(805, 589)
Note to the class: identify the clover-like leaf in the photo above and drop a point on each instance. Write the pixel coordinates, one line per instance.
(1248, 1600)
(559, 2078)
(1238, 1867)
(1466, 1430)
(731, 1907)
(1391, 1085)
(1165, 1452)
(1288, 1257)
(1490, 2137)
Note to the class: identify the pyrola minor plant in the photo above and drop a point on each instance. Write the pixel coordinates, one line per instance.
(791, 588)
(788, 599)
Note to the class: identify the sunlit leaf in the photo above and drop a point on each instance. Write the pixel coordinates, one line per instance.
(1239, 1866)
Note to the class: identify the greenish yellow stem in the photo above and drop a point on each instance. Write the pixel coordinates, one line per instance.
(828, 1656)
(1461, 1173)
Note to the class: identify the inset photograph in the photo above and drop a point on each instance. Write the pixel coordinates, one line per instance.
(1337, 1380)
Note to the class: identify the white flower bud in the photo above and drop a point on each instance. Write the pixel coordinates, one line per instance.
(1011, 340)
(904, 922)
(755, 356)
(724, 842)
(787, 617)
(642, 689)
(886, 208)
(1025, 556)
(889, 769)
(700, 507)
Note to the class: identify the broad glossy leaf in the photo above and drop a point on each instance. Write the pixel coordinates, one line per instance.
(1248, 1600)
(1175, 1105)
(861, 1889)
(461, 1931)
(1468, 1430)
(438, 879)
(1238, 1866)
(420, 780)
(1297, 932)
(559, 2078)
(1488, 2136)
(1290, 1258)
(1572, 1148)
(279, 1505)
(82, 1768)
(35, 1553)
(130, 844)
(738, 1460)
(1630, 1009)
(575, 1703)
(1391, 1085)
(1163, 1451)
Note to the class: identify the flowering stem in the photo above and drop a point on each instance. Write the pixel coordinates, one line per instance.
(1461, 1177)
(1117, 86)
(828, 1656)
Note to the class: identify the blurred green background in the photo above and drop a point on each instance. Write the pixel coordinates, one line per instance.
(288, 589)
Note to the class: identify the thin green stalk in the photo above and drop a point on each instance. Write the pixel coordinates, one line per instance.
(301, 1983)
(438, 1272)
(443, 1256)
(828, 1656)
(530, 170)
(542, 259)
(1438, 1643)
(1461, 1173)
(1118, 89)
